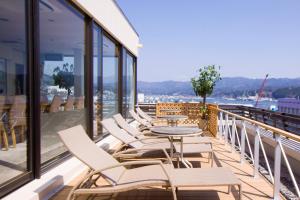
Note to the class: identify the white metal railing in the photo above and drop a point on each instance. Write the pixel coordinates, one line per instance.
(227, 129)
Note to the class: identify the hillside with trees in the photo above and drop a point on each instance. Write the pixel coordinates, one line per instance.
(228, 86)
(291, 92)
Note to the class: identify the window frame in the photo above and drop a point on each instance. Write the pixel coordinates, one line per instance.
(31, 22)
(55, 161)
(134, 75)
(119, 73)
(35, 167)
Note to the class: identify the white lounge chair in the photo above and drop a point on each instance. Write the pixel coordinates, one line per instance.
(129, 140)
(144, 115)
(144, 123)
(140, 135)
(121, 179)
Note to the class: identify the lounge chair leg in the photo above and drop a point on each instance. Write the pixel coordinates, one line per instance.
(1, 138)
(212, 159)
(71, 196)
(174, 192)
(229, 189)
(114, 196)
(22, 134)
(240, 192)
(13, 137)
(5, 141)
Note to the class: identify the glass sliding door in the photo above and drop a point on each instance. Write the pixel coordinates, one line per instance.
(62, 92)
(111, 55)
(128, 83)
(14, 104)
(97, 80)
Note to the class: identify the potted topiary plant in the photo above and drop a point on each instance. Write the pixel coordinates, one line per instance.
(64, 77)
(204, 84)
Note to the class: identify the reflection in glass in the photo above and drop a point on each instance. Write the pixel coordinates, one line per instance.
(128, 85)
(110, 77)
(62, 73)
(13, 90)
(97, 90)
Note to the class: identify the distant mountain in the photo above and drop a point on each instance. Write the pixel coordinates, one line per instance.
(235, 86)
(291, 92)
(165, 88)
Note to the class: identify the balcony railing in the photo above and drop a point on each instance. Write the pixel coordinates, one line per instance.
(229, 132)
(245, 132)
(284, 121)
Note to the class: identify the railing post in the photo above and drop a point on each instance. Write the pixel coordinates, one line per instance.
(243, 136)
(222, 124)
(220, 121)
(233, 129)
(277, 168)
(256, 153)
(226, 128)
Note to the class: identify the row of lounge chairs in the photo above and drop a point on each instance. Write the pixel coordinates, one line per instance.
(57, 104)
(129, 175)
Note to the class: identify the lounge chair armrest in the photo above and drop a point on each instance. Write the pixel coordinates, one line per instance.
(2, 116)
(19, 118)
(139, 134)
(138, 140)
(129, 163)
(150, 138)
(143, 149)
(144, 128)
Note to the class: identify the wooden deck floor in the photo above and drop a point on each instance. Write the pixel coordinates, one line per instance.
(253, 189)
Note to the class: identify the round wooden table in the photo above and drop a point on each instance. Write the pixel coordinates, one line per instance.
(177, 131)
(173, 119)
(169, 111)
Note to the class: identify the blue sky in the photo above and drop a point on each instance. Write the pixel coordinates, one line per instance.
(246, 38)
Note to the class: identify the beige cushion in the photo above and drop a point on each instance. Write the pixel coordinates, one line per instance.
(216, 176)
(113, 129)
(193, 148)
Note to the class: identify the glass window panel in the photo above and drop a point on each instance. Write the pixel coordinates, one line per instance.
(13, 92)
(62, 42)
(110, 77)
(128, 84)
(97, 81)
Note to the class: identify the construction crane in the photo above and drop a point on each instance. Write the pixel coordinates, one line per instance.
(261, 90)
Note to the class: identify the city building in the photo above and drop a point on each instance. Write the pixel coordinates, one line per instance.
(289, 105)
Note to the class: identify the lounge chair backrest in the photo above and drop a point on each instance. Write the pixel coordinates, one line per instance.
(110, 125)
(83, 148)
(2, 104)
(18, 107)
(79, 103)
(69, 105)
(138, 119)
(124, 125)
(55, 104)
(144, 115)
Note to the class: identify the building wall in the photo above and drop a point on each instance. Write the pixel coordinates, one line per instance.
(289, 105)
(111, 18)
